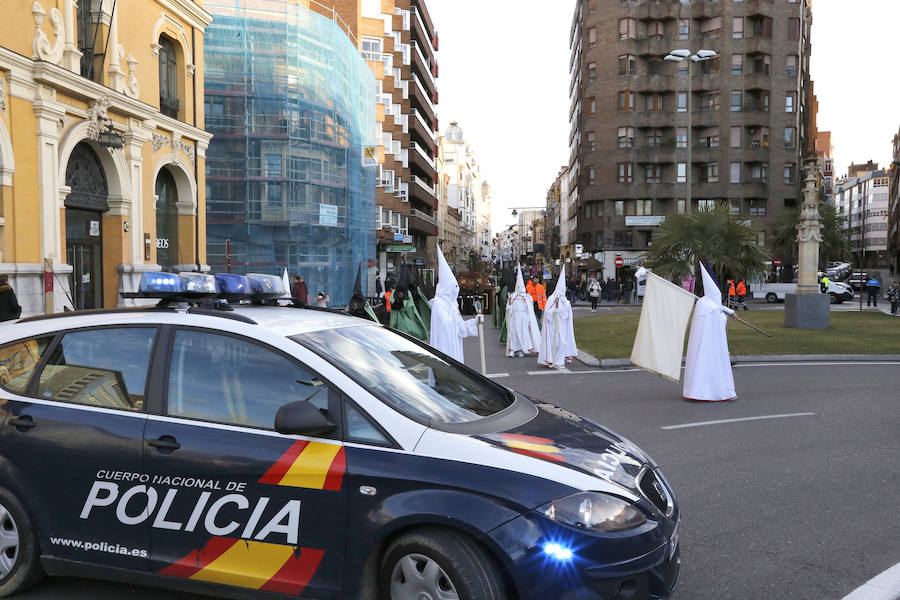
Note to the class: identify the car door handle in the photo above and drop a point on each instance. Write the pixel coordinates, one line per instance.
(164, 442)
(23, 423)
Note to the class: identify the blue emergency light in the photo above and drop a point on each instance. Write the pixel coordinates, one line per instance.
(199, 283)
(266, 287)
(233, 287)
(153, 285)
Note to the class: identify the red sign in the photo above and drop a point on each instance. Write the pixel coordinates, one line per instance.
(777, 262)
(620, 262)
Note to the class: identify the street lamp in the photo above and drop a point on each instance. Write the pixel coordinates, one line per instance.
(682, 55)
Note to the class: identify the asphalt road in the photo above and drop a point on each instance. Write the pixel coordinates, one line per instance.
(801, 507)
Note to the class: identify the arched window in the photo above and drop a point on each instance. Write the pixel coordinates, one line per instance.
(167, 255)
(168, 78)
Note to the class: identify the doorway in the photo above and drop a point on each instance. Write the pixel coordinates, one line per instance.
(84, 253)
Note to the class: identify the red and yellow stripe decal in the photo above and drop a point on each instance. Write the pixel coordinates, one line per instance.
(313, 465)
(536, 447)
(249, 564)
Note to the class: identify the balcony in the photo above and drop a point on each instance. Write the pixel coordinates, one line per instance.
(657, 119)
(418, 92)
(421, 31)
(661, 154)
(706, 10)
(647, 47)
(664, 10)
(650, 190)
(420, 190)
(757, 81)
(422, 67)
(421, 126)
(753, 188)
(419, 156)
(759, 8)
(422, 222)
(655, 83)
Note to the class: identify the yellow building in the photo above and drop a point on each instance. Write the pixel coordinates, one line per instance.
(101, 147)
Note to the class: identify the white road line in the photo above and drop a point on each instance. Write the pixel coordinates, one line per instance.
(549, 372)
(885, 586)
(497, 375)
(814, 364)
(702, 423)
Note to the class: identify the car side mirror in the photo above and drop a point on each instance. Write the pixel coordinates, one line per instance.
(302, 418)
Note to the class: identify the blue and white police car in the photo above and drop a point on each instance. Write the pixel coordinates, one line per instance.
(262, 451)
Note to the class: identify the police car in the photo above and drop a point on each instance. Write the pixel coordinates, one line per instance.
(262, 451)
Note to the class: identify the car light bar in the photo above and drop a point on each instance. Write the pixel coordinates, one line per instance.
(199, 283)
(233, 287)
(266, 287)
(153, 285)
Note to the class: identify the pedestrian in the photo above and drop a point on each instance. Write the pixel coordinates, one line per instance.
(732, 293)
(824, 283)
(379, 288)
(299, 293)
(741, 294)
(894, 297)
(523, 333)
(708, 375)
(446, 325)
(594, 293)
(892, 270)
(872, 288)
(322, 300)
(539, 293)
(9, 304)
(610, 290)
(629, 288)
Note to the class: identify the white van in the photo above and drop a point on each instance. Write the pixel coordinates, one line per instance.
(775, 292)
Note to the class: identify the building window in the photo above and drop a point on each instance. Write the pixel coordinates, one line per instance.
(790, 68)
(654, 102)
(737, 28)
(681, 137)
(626, 137)
(592, 105)
(592, 72)
(709, 102)
(710, 66)
(655, 30)
(709, 137)
(684, 29)
(737, 64)
(735, 172)
(626, 101)
(587, 211)
(654, 137)
(372, 48)
(711, 29)
(765, 101)
(790, 134)
(736, 137)
(734, 206)
(680, 206)
(736, 100)
(682, 101)
(711, 173)
(627, 64)
(789, 173)
(590, 175)
(627, 29)
(759, 173)
(793, 28)
(643, 208)
(707, 204)
(654, 174)
(591, 141)
(762, 64)
(682, 69)
(789, 100)
(626, 172)
(761, 236)
(168, 78)
(620, 208)
(681, 175)
(592, 37)
(758, 209)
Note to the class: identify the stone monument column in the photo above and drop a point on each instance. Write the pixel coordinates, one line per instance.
(808, 308)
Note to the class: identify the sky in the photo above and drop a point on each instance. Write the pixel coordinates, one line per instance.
(504, 76)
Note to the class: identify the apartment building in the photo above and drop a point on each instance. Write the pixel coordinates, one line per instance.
(862, 199)
(894, 206)
(648, 134)
(400, 42)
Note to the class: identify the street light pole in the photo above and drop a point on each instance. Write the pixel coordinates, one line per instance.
(682, 55)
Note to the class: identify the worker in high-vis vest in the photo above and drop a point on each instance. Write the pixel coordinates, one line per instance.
(732, 294)
(741, 295)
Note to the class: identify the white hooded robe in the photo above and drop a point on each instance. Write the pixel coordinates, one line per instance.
(707, 373)
(522, 331)
(558, 334)
(447, 325)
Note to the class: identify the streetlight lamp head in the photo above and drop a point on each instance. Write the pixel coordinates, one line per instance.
(696, 58)
(515, 212)
(707, 53)
(673, 58)
(682, 52)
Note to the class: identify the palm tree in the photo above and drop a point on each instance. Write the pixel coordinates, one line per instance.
(725, 240)
(834, 246)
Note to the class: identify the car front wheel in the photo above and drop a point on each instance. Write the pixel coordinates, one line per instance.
(439, 564)
(771, 298)
(19, 551)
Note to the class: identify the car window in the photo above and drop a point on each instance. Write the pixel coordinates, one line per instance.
(407, 376)
(360, 429)
(229, 380)
(100, 367)
(18, 362)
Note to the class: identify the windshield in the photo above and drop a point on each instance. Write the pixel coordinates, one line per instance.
(406, 375)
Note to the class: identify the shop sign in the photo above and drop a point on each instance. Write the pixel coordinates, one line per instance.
(579, 248)
(398, 237)
(401, 248)
(328, 215)
(370, 156)
(643, 221)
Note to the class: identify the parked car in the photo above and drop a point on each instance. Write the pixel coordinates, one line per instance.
(858, 280)
(775, 292)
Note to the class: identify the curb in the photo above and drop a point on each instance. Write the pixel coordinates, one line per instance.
(617, 363)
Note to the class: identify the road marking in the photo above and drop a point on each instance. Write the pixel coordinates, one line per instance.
(885, 586)
(815, 364)
(549, 372)
(702, 423)
(497, 375)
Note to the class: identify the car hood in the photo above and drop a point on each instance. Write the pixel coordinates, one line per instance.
(564, 438)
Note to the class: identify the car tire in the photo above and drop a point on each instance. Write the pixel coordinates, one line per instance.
(771, 297)
(833, 299)
(439, 563)
(20, 553)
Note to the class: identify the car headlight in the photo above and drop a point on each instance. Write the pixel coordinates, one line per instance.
(594, 511)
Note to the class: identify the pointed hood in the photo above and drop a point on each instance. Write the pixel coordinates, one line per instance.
(286, 284)
(520, 283)
(447, 286)
(560, 290)
(710, 290)
(357, 287)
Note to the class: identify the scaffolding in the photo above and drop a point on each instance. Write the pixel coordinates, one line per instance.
(290, 102)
